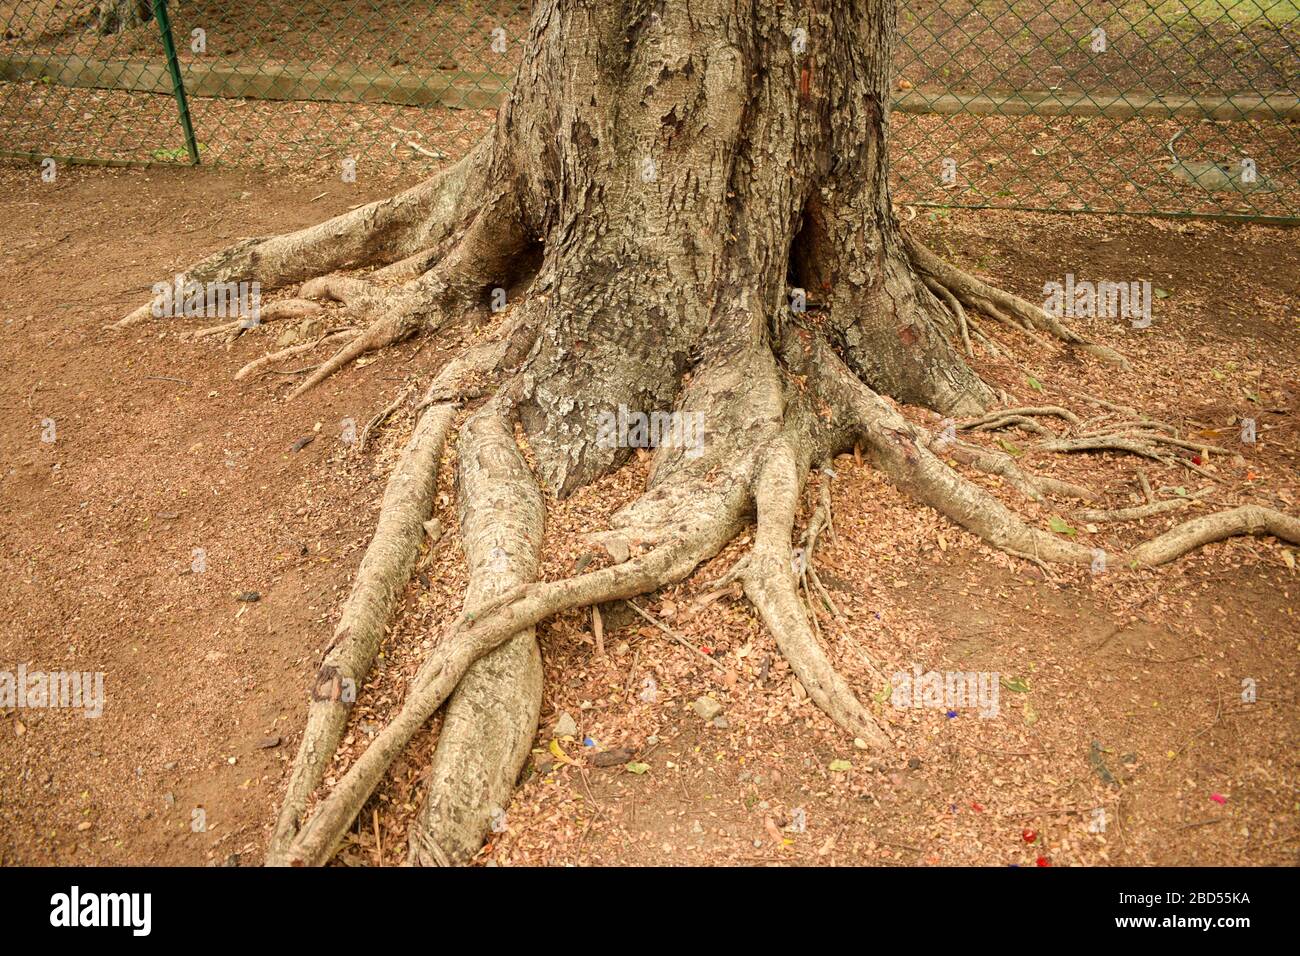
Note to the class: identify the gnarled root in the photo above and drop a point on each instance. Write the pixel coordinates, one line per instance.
(384, 571)
(451, 238)
(772, 585)
(1197, 532)
(491, 719)
(377, 233)
(284, 309)
(478, 633)
(386, 331)
(270, 358)
(1148, 510)
(998, 303)
(766, 434)
(901, 452)
(1035, 487)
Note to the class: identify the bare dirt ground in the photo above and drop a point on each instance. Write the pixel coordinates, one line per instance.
(1121, 692)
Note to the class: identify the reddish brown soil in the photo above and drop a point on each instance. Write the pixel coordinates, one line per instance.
(97, 531)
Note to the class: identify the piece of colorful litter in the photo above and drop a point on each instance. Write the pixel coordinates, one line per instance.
(1029, 836)
(1218, 798)
(558, 752)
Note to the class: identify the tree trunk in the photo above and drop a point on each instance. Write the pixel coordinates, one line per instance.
(677, 164)
(671, 158)
(670, 186)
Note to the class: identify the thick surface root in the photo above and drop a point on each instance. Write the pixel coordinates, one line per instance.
(383, 574)
(490, 722)
(376, 234)
(478, 633)
(654, 297)
(490, 251)
(765, 437)
(384, 571)
(771, 583)
(902, 453)
(1190, 535)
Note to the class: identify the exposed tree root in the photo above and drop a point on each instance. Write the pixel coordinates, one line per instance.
(330, 338)
(673, 635)
(1140, 446)
(771, 582)
(901, 451)
(820, 521)
(656, 253)
(383, 332)
(449, 830)
(897, 448)
(765, 427)
(450, 238)
(1145, 484)
(491, 719)
(488, 738)
(381, 416)
(284, 309)
(1035, 487)
(381, 577)
(764, 436)
(1198, 532)
(1148, 510)
(477, 633)
(1021, 418)
(335, 288)
(1156, 438)
(955, 307)
(422, 304)
(1000, 304)
(375, 234)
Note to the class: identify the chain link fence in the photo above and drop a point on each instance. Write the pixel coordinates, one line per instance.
(1183, 107)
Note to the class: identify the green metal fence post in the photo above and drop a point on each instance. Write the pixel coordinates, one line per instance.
(174, 68)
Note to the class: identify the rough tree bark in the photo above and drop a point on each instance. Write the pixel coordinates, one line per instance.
(661, 178)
